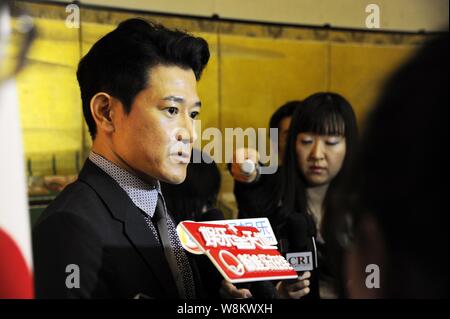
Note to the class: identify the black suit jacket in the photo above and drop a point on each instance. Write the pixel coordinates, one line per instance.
(94, 225)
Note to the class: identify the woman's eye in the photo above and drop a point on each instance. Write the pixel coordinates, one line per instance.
(306, 142)
(332, 142)
(172, 110)
(194, 114)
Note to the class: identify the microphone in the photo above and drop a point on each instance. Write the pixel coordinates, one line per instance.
(300, 237)
(259, 289)
(247, 167)
(301, 250)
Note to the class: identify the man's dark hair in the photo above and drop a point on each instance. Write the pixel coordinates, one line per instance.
(286, 110)
(119, 63)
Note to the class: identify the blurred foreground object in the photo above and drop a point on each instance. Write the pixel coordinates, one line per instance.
(397, 193)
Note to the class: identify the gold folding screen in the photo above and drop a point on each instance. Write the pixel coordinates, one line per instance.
(253, 69)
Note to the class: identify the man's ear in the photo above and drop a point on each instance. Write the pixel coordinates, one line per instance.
(101, 110)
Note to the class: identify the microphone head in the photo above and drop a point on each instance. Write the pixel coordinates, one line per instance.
(297, 228)
(300, 252)
(247, 167)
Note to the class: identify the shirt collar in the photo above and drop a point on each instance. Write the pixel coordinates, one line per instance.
(142, 194)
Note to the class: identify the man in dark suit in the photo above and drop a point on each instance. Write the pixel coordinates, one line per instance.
(109, 235)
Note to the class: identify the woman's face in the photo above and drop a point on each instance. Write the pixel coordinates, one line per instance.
(320, 157)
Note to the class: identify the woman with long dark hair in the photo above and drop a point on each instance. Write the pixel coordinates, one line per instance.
(321, 141)
(319, 149)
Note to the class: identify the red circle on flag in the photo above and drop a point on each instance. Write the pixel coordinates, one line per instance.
(16, 281)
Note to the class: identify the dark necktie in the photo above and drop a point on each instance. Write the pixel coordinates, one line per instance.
(175, 255)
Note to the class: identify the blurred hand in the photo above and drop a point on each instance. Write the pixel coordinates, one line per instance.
(239, 156)
(295, 289)
(230, 291)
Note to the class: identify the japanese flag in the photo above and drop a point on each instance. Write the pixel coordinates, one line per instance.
(16, 280)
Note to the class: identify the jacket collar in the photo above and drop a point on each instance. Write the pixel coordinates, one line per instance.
(136, 230)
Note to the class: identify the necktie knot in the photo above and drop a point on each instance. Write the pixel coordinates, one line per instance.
(159, 210)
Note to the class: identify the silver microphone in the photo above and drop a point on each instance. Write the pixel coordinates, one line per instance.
(247, 167)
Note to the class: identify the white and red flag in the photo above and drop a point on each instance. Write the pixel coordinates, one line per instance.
(16, 274)
(16, 280)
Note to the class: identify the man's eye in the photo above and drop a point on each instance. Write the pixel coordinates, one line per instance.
(194, 114)
(172, 110)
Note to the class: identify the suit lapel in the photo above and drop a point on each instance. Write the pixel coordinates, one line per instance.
(136, 230)
(148, 246)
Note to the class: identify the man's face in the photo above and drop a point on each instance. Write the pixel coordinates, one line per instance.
(155, 139)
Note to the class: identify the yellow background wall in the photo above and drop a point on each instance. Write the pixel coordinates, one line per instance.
(49, 99)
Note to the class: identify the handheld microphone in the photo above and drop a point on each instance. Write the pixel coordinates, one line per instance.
(247, 167)
(259, 289)
(301, 251)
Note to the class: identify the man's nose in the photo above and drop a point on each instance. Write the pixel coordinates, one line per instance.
(186, 133)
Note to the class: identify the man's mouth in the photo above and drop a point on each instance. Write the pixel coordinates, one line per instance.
(180, 157)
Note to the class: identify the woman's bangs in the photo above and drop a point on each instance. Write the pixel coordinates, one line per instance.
(322, 121)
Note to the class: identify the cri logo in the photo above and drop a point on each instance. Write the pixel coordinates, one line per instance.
(300, 261)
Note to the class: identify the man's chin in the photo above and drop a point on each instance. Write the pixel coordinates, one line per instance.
(173, 178)
(177, 181)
